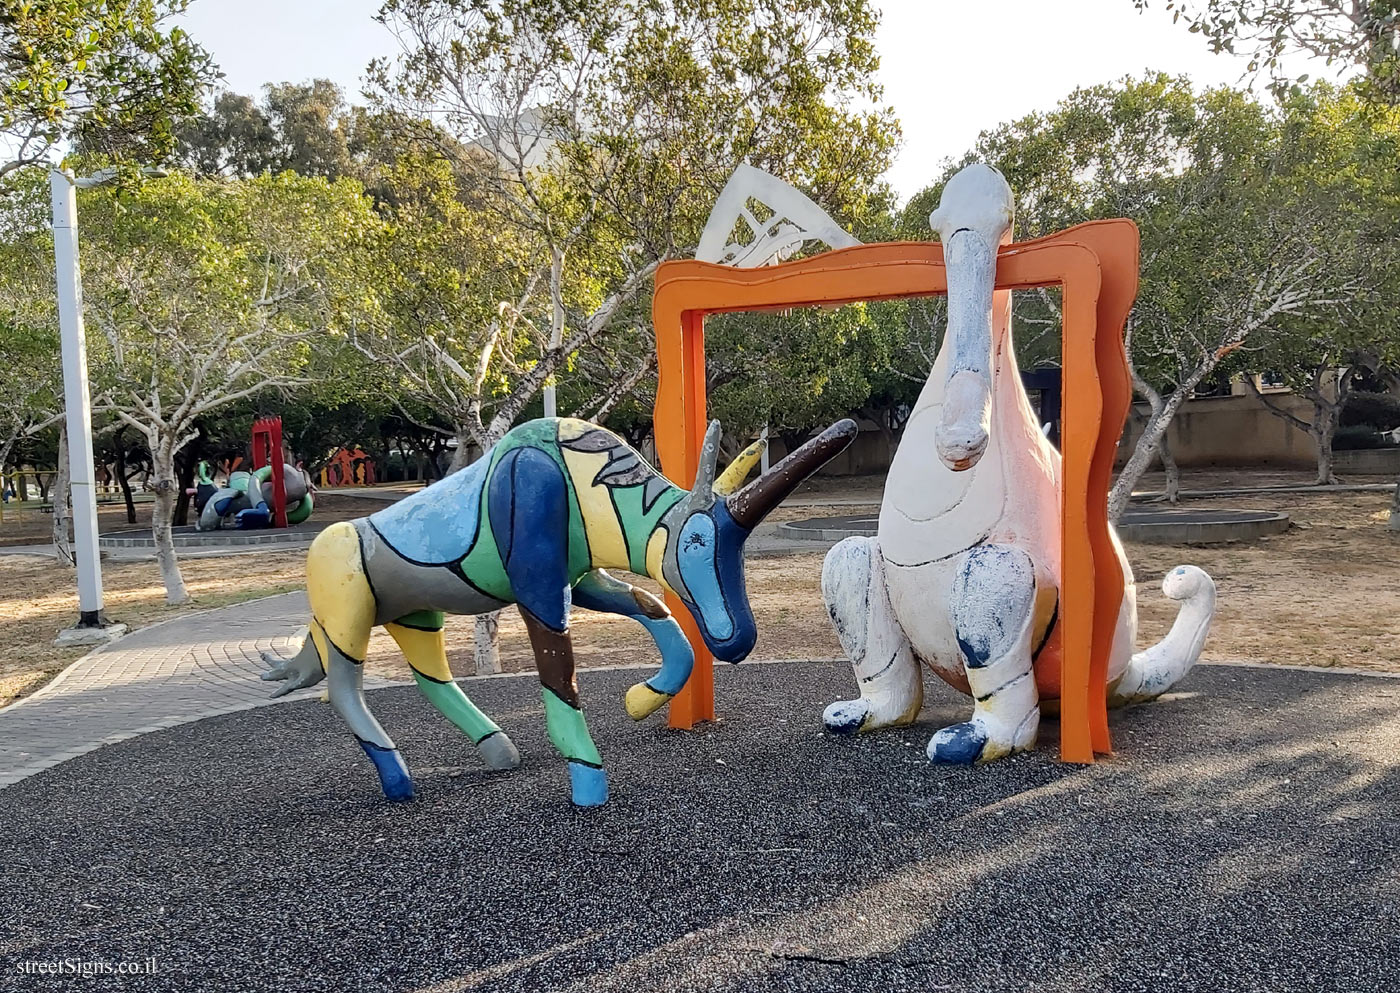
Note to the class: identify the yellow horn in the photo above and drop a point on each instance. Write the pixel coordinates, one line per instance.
(739, 469)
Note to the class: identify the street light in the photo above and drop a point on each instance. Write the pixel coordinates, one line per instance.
(92, 626)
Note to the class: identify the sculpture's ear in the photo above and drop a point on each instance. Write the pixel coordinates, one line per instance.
(742, 465)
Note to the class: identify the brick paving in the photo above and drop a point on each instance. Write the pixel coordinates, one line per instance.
(167, 674)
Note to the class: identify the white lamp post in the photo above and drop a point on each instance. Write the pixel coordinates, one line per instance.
(92, 627)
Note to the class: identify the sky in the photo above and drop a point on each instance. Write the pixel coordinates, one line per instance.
(950, 68)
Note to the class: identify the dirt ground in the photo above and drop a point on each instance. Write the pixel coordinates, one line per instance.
(1326, 593)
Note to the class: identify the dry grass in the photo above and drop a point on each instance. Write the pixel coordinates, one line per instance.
(1323, 594)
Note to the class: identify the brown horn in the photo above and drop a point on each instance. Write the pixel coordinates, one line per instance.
(754, 502)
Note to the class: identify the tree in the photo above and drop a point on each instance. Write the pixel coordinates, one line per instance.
(1235, 239)
(199, 294)
(1343, 156)
(107, 73)
(305, 127)
(1359, 34)
(30, 377)
(590, 141)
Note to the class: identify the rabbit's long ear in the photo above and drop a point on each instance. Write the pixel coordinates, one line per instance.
(743, 464)
(754, 502)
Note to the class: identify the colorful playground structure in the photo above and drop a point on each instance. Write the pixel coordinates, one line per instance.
(348, 467)
(994, 563)
(537, 521)
(1006, 580)
(274, 494)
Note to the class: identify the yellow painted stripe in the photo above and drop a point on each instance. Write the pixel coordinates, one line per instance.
(605, 538)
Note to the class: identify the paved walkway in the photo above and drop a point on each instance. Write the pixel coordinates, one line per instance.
(167, 674)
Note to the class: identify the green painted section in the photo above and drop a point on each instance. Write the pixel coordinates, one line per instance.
(637, 525)
(483, 562)
(423, 620)
(453, 704)
(568, 731)
(301, 511)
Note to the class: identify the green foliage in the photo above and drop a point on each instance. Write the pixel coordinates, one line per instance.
(1346, 34)
(303, 127)
(1376, 411)
(591, 140)
(1357, 436)
(106, 73)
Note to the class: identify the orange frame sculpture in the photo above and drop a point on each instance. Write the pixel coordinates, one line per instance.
(1097, 266)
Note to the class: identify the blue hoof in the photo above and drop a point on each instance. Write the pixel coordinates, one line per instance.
(960, 744)
(590, 785)
(393, 774)
(846, 716)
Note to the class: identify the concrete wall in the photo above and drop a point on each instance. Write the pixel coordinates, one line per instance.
(1233, 430)
(1368, 461)
(1208, 431)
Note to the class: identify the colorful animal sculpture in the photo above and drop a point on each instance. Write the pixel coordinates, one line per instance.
(964, 571)
(537, 521)
(246, 502)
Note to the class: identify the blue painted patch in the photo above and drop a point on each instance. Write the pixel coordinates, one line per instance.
(677, 657)
(960, 744)
(590, 785)
(850, 725)
(530, 522)
(976, 656)
(695, 556)
(393, 774)
(437, 524)
(254, 517)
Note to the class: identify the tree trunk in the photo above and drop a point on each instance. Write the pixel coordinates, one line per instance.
(462, 455)
(488, 635)
(62, 502)
(1169, 466)
(1143, 454)
(186, 462)
(1324, 427)
(119, 467)
(162, 515)
(488, 643)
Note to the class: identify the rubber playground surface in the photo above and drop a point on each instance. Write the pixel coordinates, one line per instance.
(1243, 838)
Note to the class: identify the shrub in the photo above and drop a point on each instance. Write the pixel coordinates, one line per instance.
(1355, 436)
(1378, 411)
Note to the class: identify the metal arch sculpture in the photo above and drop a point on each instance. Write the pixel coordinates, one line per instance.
(537, 521)
(1076, 552)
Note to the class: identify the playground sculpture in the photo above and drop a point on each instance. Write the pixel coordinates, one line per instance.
(964, 571)
(537, 521)
(246, 502)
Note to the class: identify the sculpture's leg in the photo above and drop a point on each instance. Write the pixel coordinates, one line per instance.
(419, 637)
(343, 608)
(891, 687)
(554, 655)
(602, 592)
(529, 506)
(993, 616)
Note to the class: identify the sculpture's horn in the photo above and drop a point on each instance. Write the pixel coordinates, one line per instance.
(754, 502)
(733, 477)
(702, 494)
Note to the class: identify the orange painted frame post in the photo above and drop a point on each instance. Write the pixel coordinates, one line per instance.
(1097, 266)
